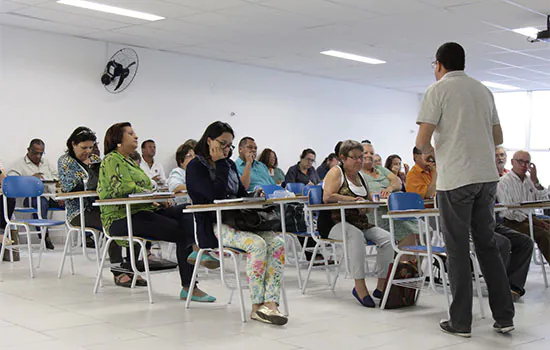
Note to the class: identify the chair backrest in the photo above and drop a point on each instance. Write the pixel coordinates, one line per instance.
(269, 189)
(315, 195)
(295, 187)
(405, 201)
(22, 186)
(306, 189)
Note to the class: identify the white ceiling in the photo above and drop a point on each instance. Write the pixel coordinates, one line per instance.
(289, 34)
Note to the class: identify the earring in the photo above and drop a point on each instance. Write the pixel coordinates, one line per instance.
(119, 145)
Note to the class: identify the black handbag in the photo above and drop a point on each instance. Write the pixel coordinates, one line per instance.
(295, 220)
(253, 220)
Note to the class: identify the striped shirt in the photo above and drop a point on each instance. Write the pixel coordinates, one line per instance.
(511, 190)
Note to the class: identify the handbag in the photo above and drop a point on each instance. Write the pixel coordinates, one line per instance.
(253, 220)
(401, 296)
(295, 220)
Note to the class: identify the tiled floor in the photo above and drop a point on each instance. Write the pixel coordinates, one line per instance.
(62, 314)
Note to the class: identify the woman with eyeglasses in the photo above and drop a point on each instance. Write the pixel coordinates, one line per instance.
(78, 171)
(304, 171)
(213, 175)
(345, 183)
(120, 176)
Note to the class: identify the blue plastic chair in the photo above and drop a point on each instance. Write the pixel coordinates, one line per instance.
(25, 187)
(295, 187)
(270, 189)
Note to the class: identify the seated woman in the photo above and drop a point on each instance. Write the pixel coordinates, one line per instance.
(78, 170)
(344, 183)
(213, 175)
(120, 176)
(269, 158)
(377, 160)
(393, 164)
(381, 180)
(329, 162)
(304, 171)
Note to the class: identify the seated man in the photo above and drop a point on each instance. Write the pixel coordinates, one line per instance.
(516, 187)
(154, 170)
(252, 172)
(33, 164)
(501, 157)
(515, 249)
(422, 177)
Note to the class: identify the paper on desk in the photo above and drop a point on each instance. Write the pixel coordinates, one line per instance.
(240, 200)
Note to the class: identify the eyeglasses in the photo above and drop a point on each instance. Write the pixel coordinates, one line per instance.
(523, 162)
(434, 63)
(189, 155)
(356, 158)
(311, 160)
(226, 144)
(86, 132)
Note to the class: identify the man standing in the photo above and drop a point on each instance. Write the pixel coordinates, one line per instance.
(154, 170)
(252, 172)
(422, 177)
(516, 187)
(460, 112)
(34, 164)
(500, 157)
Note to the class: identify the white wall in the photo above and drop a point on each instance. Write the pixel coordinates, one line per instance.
(51, 84)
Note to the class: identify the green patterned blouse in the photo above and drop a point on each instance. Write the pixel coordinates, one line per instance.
(119, 177)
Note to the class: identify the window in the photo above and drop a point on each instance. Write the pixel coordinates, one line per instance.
(513, 111)
(540, 122)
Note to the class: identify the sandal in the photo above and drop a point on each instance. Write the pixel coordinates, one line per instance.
(118, 281)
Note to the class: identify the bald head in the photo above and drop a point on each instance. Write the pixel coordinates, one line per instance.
(521, 162)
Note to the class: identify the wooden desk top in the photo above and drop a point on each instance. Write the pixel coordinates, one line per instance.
(69, 195)
(413, 212)
(252, 205)
(135, 199)
(352, 205)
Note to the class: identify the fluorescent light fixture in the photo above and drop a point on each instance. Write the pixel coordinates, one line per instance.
(499, 86)
(110, 9)
(528, 31)
(353, 57)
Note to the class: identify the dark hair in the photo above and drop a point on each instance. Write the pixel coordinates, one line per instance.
(390, 159)
(113, 136)
(366, 141)
(348, 146)
(80, 134)
(329, 158)
(145, 142)
(182, 151)
(416, 150)
(36, 142)
(191, 142)
(212, 131)
(244, 140)
(337, 147)
(264, 157)
(306, 152)
(135, 156)
(451, 56)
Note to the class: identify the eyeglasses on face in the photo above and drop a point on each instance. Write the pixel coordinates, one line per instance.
(523, 162)
(34, 153)
(226, 144)
(434, 63)
(356, 158)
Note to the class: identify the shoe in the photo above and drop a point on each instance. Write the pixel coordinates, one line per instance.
(378, 294)
(273, 316)
(515, 296)
(90, 242)
(118, 281)
(503, 329)
(204, 299)
(254, 316)
(447, 328)
(207, 261)
(366, 302)
(49, 244)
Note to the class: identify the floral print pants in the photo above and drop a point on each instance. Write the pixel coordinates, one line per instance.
(264, 263)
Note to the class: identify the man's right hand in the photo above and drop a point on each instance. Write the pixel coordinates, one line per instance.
(249, 157)
(156, 178)
(39, 175)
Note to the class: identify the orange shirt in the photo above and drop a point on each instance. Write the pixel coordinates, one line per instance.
(418, 181)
